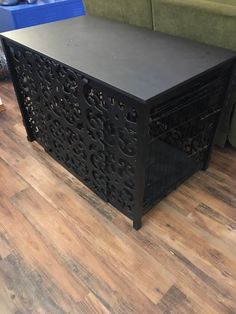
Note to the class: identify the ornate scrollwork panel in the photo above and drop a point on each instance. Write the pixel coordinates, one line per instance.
(90, 132)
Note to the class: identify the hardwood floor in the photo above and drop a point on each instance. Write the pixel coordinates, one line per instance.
(63, 250)
(2, 108)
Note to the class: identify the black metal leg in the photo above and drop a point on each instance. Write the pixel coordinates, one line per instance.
(137, 223)
(209, 151)
(205, 165)
(20, 100)
(30, 138)
(141, 166)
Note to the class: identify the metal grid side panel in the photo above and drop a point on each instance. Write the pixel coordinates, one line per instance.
(181, 132)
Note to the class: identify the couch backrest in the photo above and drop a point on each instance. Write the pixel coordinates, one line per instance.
(224, 2)
(136, 12)
(209, 21)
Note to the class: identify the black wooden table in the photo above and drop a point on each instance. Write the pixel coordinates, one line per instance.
(130, 112)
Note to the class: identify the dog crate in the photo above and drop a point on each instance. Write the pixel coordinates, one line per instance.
(130, 153)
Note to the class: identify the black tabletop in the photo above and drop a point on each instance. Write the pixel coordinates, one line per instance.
(137, 61)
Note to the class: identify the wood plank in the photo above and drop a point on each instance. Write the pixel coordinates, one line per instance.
(174, 301)
(5, 248)
(10, 182)
(32, 291)
(6, 304)
(213, 250)
(2, 107)
(91, 304)
(63, 250)
(26, 241)
(99, 239)
(208, 291)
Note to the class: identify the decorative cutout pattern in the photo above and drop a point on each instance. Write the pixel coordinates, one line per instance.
(92, 130)
(91, 133)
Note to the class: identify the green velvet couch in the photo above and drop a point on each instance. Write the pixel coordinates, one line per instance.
(136, 12)
(208, 21)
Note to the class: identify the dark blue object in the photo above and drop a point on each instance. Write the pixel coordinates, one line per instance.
(44, 11)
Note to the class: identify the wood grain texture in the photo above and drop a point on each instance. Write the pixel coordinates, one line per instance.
(63, 250)
(2, 107)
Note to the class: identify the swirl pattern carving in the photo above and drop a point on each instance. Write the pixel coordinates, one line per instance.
(91, 133)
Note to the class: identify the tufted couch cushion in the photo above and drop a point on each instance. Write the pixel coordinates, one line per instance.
(136, 12)
(209, 21)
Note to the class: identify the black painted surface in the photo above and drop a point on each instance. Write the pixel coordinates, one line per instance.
(134, 60)
(82, 85)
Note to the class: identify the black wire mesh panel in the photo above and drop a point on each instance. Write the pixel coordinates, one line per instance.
(131, 153)
(181, 132)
